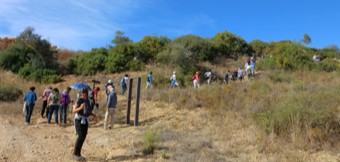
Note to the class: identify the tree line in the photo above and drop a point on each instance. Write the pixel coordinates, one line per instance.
(34, 58)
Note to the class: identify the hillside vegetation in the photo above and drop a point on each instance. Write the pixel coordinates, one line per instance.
(289, 111)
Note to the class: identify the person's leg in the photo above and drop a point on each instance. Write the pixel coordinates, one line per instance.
(65, 113)
(106, 118)
(61, 107)
(81, 130)
(50, 112)
(43, 108)
(27, 113)
(56, 108)
(112, 112)
(47, 109)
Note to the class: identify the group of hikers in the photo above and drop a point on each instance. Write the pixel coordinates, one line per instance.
(249, 69)
(87, 100)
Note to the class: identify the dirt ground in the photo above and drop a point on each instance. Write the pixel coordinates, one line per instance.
(184, 137)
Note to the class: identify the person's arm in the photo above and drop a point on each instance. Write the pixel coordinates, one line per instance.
(109, 101)
(48, 100)
(35, 97)
(78, 108)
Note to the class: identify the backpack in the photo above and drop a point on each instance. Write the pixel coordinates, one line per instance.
(64, 99)
(54, 98)
(87, 111)
(122, 81)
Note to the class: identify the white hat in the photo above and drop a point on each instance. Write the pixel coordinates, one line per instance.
(110, 81)
(174, 72)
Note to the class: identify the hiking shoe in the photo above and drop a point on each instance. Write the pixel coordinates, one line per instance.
(78, 158)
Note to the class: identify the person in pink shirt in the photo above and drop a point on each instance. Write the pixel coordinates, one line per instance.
(195, 79)
(44, 96)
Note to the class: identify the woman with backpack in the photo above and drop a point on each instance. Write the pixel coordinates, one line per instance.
(64, 102)
(123, 83)
(53, 100)
(83, 111)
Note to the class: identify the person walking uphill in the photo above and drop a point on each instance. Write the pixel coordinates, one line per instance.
(83, 111)
(110, 108)
(195, 79)
(45, 95)
(64, 102)
(123, 83)
(149, 80)
(173, 80)
(53, 101)
(30, 99)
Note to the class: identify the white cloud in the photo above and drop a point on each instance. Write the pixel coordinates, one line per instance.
(68, 23)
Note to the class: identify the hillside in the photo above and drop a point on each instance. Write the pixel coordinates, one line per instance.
(214, 123)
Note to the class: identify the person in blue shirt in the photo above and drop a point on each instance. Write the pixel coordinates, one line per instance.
(29, 99)
(149, 80)
(123, 83)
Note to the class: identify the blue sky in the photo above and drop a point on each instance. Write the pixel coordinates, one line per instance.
(86, 24)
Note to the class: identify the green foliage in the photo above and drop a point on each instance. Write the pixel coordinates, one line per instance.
(120, 38)
(258, 47)
(151, 139)
(31, 57)
(149, 46)
(328, 65)
(306, 39)
(88, 63)
(230, 45)
(200, 49)
(9, 93)
(299, 113)
(39, 75)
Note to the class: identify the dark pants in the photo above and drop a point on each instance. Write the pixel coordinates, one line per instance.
(44, 107)
(63, 113)
(29, 110)
(53, 109)
(124, 88)
(81, 130)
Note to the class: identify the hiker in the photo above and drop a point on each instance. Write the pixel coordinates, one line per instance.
(109, 82)
(173, 80)
(64, 102)
(44, 96)
(252, 64)
(240, 74)
(149, 80)
(247, 69)
(110, 108)
(123, 83)
(29, 99)
(234, 75)
(81, 122)
(195, 79)
(53, 102)
(208, 76)
(95, 99)
(226, 77)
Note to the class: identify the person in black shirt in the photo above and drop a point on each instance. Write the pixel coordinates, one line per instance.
(83, 111)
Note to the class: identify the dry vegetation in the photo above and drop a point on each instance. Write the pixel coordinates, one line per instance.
(278, 116)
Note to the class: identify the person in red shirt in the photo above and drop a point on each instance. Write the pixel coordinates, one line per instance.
(95, 98)
(195, 79)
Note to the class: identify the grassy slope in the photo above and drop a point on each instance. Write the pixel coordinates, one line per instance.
(214, 123)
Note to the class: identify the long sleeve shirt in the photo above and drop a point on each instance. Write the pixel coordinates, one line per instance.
(30, 97)
(112, 100)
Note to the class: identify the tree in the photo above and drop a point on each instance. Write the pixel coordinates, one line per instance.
(120, 38)
(150, 46)
(306, 39)
(258, 47)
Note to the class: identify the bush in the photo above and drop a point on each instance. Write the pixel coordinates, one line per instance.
(39, 75)
(151, 139)
(299, 113)
(328, 65)
(9, 93)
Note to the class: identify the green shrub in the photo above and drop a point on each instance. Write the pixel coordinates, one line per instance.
(299, 113)
(39, 75)
(328, 65)
(9, 93)
(151, 139)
